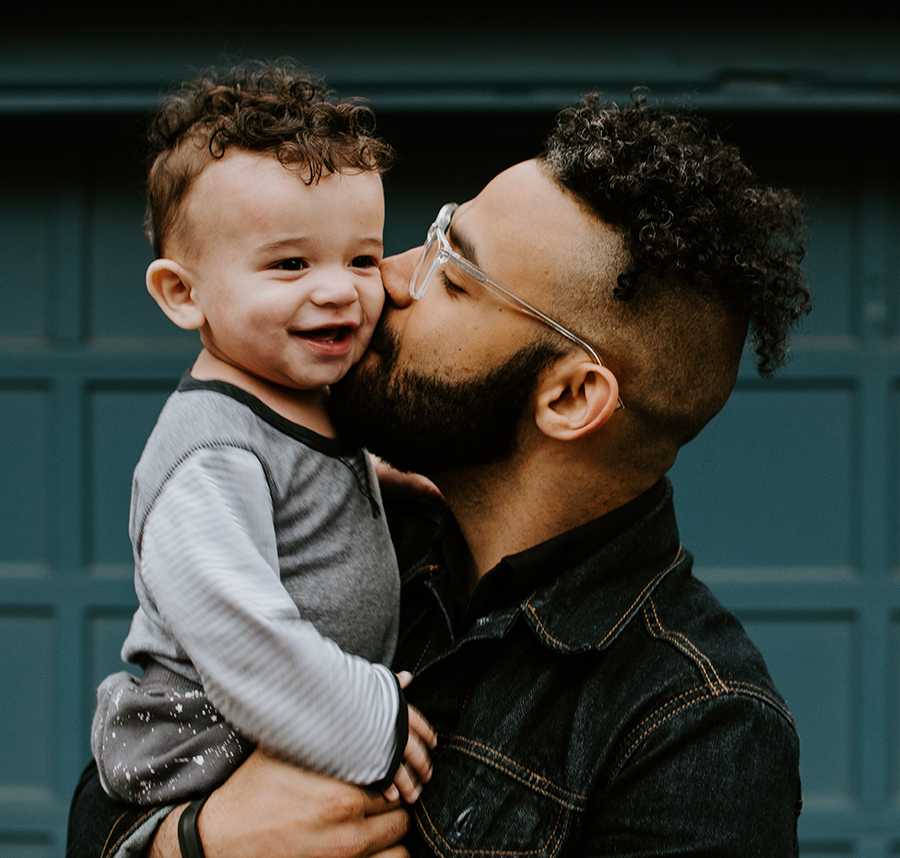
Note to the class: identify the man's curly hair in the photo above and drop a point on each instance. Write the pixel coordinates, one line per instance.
(267, 107)
(689, 210)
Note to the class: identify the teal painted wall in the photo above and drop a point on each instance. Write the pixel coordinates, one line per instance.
(788, 500)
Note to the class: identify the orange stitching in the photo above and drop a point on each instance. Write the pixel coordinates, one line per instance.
(686, 647)
(654, 726)
(111, 830)
(422, 656)
(137, 824)
(459, 851)
(623, 618)
(759, 693)
(454, 741)
(659, 717)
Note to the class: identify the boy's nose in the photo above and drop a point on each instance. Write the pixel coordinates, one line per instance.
(334, 290)
(396, 272)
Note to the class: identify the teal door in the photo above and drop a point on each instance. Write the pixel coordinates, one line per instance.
(788, 500)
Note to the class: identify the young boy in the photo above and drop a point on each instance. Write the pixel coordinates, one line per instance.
(267, 584)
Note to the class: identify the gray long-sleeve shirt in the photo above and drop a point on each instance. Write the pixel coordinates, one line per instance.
(265, 574)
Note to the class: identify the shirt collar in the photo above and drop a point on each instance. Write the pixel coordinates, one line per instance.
(577, 567)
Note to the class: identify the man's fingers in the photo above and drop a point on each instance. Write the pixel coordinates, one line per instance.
(404, 678)
(384, 830)
(418, 725)
(393, 852)
(417, 758)
(376, 804)
(407, 782)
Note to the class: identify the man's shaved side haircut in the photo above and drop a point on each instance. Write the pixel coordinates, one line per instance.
(272, 108)
(705, 251)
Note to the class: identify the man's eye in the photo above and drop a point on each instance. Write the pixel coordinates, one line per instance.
(364, 262)
(450, 286)
(295, 263)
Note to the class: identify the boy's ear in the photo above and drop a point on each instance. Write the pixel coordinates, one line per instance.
(575, 399)
(168, 283)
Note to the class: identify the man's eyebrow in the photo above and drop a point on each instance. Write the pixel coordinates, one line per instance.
(463, 245)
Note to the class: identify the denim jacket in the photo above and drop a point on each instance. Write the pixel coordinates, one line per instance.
(593, 699)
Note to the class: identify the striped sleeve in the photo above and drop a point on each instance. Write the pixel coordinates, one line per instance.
(209, 561)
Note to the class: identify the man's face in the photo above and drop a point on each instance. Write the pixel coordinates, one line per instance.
(449, 379)
(286, 273)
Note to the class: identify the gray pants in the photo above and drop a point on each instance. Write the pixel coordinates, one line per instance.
(158, 740)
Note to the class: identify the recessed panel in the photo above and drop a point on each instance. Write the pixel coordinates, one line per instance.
(28, 717)
(120, 419)
(831, 263)
(772, 480)
(812, 658)
(892, 458)
(14, 847)
(107, 631)
(826, 850)
(892, 687)
(120, 306)
(28, 208)
(25, 466)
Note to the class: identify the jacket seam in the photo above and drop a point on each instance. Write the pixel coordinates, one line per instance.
(134, 827)
(684, 645)
(668, 710)
(623, 619)
(538, 783)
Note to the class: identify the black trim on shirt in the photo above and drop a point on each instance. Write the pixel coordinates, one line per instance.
(401, 732)
(333, 447)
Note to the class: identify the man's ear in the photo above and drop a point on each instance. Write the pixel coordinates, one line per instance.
(169, 284)
(575, 399)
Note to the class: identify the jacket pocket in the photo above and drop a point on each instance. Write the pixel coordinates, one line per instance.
(481, 803)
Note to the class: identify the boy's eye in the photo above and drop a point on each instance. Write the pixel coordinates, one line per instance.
(295, 263)
(364, 261)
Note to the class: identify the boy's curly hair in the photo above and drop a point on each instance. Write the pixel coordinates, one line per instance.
(689, 210)
(269, 107)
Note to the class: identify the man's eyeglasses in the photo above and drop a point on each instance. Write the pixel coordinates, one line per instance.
(437, 253)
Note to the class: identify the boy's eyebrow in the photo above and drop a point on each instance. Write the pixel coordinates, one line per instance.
(463, 245)
(283, 243)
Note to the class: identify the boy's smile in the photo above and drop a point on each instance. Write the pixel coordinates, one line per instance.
(285, 274)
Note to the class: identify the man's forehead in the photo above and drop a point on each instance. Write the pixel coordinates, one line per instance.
(522, 219)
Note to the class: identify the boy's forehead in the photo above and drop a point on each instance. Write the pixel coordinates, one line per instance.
(246, 198)
(244, 193)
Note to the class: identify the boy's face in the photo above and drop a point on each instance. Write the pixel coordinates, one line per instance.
(286, 274)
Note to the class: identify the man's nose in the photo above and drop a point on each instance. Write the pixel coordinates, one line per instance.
(396, 272)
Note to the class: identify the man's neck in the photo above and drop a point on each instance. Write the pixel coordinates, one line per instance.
(504, 509)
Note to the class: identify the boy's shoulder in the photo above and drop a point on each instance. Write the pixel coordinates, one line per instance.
(197, 418)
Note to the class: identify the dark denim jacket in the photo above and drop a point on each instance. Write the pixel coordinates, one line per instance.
(615, 709)
(611, 707)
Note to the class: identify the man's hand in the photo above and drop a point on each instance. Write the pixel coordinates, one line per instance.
(399, 484)
(271, 809)
(415, 770)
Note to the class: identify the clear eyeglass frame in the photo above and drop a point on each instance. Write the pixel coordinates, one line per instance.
(438, 252)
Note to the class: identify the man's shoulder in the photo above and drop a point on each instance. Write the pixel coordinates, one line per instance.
(696, 672)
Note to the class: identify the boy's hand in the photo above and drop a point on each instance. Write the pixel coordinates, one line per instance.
(399, 483)
(415, 770)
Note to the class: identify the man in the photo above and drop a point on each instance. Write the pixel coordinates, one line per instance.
(577, 323)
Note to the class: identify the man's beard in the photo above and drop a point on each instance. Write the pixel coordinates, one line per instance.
(427, 425)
